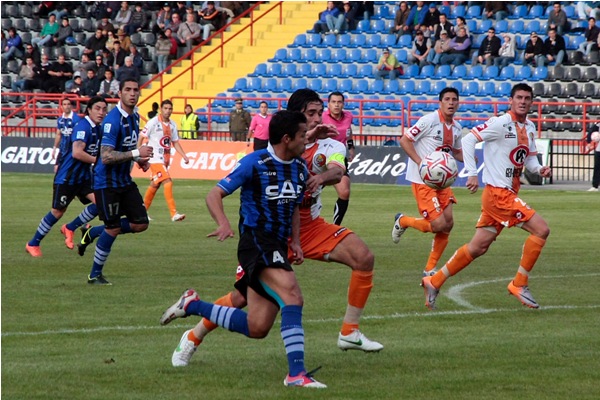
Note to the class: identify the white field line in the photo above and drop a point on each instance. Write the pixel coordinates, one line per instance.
(454, 293)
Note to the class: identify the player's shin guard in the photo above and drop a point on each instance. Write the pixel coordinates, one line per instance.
(361, 283)
(292, 334)
(229, 318)
(221, 301)
(531, 251)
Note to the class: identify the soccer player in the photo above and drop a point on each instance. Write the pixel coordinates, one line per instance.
(160, 133)
(64, 128)
(116, 193)
(319, 240)
(272, 184)
(509, 147)
(434, 131)
(73, 177)
(342, 121)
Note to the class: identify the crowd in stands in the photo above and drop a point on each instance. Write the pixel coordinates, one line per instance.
(108, 54)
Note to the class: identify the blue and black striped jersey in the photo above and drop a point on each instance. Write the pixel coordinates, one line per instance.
(119, 131)
(65, 126)
(271, 189)
(72, 171)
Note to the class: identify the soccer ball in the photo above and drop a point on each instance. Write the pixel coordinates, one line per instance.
(596, 136)
(438, 170)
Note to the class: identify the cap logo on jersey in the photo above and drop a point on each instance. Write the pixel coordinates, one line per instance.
(518, 155)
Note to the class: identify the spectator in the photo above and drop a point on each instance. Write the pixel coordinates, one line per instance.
(237, 7)
(60, 72)
(31, 51)
(63, 9)
(109, 87)
(416, 17)
(47, 33)
(138, 20)
(362, 10)
(169, 35)
(400, 26)
(497, 9)
(239, 122)
(189, 33)
(388, 66)
(27, 75)
(95, 44)
(344, 21)
(180, 11)
(110, 40)
(112, 8)
(99, 66)
(64, 35)
(75, 86)
(138, 61)
(554, 49)
(591, 37)
(14, 46)
(444, 25)
(124, 40)
(123, 15)
(42, 78)
(209, 19)
(163, 49)
(441, 47)
(432, 18)
(108, 59)
(176, 23)
(587, 9)
(83, 65)
(154, 112)
(461, 23)
(119, 55)
(557, 19)
(420, 50)
(128, 71)
(534, 51)
(91, 84)
(460, 46)
(44, 9)
(330, 11)
(508, 51)
(488, 50)
(189, 123)
(163, 19)
(105, 24)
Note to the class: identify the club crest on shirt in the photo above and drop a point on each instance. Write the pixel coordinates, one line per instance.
(518, 155)
(320, 160)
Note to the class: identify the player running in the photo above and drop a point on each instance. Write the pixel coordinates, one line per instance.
(509, 147)
(434, 131)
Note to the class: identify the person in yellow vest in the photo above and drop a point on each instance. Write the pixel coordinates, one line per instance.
(189, 123)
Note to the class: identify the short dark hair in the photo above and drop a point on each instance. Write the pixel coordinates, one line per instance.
(169, 102)
(301, 98)
(336, 94)
(283, 123)
(521, 86)
(122, 84)
(263, 102)
(92, 101)
(449, 89)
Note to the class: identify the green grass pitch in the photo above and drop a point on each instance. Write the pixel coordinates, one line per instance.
(64, 339)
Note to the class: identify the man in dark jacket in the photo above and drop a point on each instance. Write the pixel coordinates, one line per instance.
(554, 49)
(488, 50)
(239, 122)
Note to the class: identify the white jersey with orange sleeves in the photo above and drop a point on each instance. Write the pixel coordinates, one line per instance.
(160, 137)
(319, 156)
(427, 136)
(504, 152)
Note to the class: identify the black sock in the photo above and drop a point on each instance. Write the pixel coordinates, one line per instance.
(339, 211)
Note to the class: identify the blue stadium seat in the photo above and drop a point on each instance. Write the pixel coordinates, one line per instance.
(539, 74)
(381, 12)
(366, 71)
(280, 55)
(533, 26)
(343, 40)
(284, 85)
(536, 11)
(392, 105)
(352, 103)
(423, 87)
(517, 26)
(269, 85)
(390, 40)
(391, 86)
(349, 70)
(458, 11)
(483, 26)
(330, 85)
(458, 85)
(308, 55)
(333, 71)
(300, 83)
(445, 10)
(377, 26)
(524, 73)
(368, 119)
(417, 103)
(250, 101)
(472, 25)
(371, 104)
(345, 85)
(436, 88)
(275, 69)
(360, 86)
(260, 70)
(503, 89)
(427, 72)
(358, 41)
(507, 73)
(240, 84)
(408, 87)
(478, 39)
(443, 72)
(376, 87)
(369, 56)
(501, 26)
(324, 55)
(304, 70)
(402, 56)
(573, 42)
(487, 89)
(315, 84)
(362, 26)
(354, 55)
(290, 70)
(339, 55)
(254, 84)
(299, 40)
(519, 12)
(459, 72)
(318, 70)
(329, 41)
(411, 71)
(484, 107)
(471, 88)
(569, 10)
(312, 40)
(293, 55)
(405, 41)
(474, 11)
(373, 40)
(491, 72)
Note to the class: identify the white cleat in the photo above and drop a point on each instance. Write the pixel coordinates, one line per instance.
(184, 351)
(431, 292)
(523, 294)
(177, 310)
(303, 380)
(357, 341)
(178, 217)
(397, 230)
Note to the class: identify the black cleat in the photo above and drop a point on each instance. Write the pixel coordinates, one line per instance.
(98, 280)
(86, 239)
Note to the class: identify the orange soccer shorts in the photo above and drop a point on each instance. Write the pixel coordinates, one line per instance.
(501, 208)
(318, 238)
(432, 202)
(159, 173)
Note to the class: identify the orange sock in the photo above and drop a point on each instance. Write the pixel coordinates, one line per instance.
(531, 251)
(149, 196)
(455, 264)
(168, 188)
(193, 338)
(440, 241)
(222, 301)
(419, 224)
(361, 283)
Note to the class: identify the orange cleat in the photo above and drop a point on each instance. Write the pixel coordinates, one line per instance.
(35, 251)
(68, 236)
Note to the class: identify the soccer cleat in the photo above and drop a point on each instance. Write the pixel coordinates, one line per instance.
(34, 251)
(98, 280)
(523, 294)
(593, 189)
(184, 351)
(86, 239)
(397, 230)
(358, 341)
(178, 217)
(68, 236)
(177, 310)
(430, 292)
(304, 379)
(431, 272)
